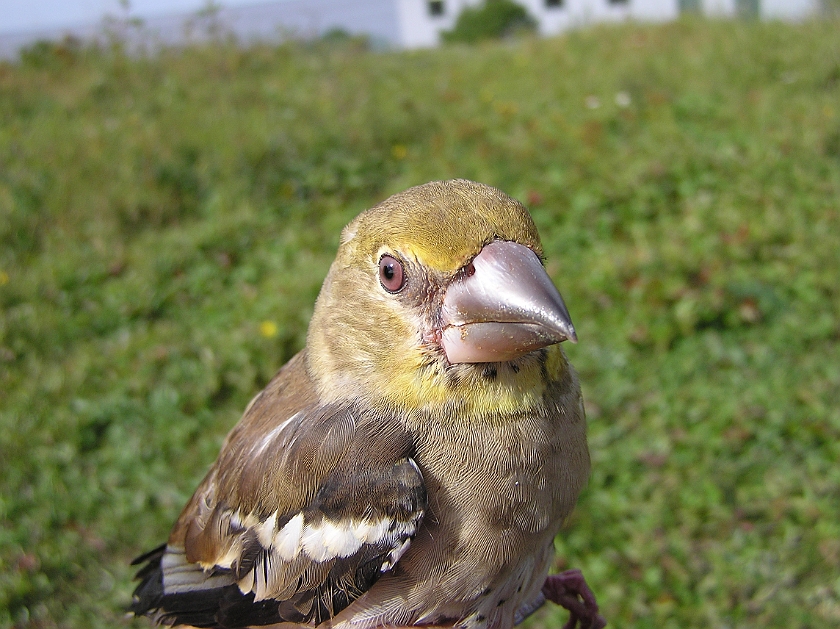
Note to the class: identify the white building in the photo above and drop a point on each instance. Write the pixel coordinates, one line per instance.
(421, 21)
(394, 23)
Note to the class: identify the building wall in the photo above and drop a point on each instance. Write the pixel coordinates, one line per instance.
(769, 9)
(789, 9)
(717, 8)
(419, 29)
(655, 10)
(573, 13)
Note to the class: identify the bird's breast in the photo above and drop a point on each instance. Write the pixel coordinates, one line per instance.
(497, 495)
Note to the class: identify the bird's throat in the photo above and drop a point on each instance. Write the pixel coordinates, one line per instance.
(475, 391)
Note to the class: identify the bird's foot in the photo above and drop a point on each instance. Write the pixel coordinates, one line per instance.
(569, 589)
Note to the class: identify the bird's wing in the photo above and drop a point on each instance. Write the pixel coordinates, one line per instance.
(305, 507)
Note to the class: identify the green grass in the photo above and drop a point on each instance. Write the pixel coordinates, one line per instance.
(166, 223)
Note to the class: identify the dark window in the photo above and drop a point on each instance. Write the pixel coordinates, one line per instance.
(619, 1)
(436, 7)
(553, 4)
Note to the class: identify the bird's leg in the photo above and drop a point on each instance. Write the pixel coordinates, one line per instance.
(569, 589)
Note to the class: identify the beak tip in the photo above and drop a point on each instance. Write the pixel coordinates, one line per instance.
(565, 328)
(569, 334)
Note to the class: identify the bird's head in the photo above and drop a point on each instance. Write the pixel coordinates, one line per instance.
(438, 297)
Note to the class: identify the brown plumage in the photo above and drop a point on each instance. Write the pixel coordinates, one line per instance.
(413, 464)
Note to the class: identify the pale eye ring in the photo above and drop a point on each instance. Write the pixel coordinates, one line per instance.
(391, 274)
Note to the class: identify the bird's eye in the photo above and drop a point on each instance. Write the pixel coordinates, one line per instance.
(391, 274)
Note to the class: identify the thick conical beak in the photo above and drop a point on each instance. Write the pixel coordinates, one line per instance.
(502, 307)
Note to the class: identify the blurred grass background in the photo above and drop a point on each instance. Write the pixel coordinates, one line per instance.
(166, 222)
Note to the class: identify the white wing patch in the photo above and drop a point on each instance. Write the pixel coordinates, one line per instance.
(287, 540)
(265, 531)
(288, 550)
(180, 576)
(328, 539)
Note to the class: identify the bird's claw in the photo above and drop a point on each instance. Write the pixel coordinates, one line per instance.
(570, 590)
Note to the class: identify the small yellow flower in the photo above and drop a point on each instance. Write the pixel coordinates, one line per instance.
(399, 151)
(4, 278)
(268, 329)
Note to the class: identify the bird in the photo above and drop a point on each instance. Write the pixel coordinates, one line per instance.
(412, 465)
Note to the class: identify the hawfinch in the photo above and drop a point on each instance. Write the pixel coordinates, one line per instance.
(413, 464)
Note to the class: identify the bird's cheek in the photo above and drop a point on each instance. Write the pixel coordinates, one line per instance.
(433, 337)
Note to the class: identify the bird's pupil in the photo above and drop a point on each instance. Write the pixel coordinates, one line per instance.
(388, 271)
